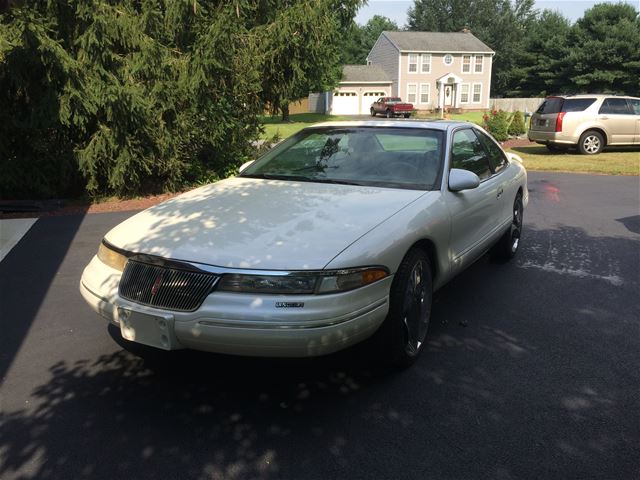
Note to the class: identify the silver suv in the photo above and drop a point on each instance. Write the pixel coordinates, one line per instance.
(589, 122)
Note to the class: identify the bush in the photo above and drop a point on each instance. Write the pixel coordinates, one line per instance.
(517, 126)
(496, 123)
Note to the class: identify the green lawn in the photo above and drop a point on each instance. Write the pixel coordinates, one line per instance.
(275, 126)
(619, 161)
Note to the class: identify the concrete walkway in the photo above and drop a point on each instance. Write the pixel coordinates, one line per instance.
(11, 231)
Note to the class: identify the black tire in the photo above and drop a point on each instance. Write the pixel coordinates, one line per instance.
(509, 244)
(555, 148)
(373, 112)
(388, 113)
(403, 332)
(591, 143)
(407, 115)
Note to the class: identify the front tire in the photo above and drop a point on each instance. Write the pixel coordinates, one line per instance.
(591, 143)
(405, 328)
(388, 113)
(509, 243)
(373, 112)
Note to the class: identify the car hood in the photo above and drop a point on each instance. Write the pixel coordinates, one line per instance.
(260, 224)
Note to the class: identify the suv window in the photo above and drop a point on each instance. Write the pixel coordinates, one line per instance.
(550, 105)
(615, 106)
(577, 104)
(467, 153)
(496, 155)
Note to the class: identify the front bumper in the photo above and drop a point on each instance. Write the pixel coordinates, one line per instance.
(243, 324)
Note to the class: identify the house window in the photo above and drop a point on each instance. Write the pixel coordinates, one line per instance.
(479, 63)
(477, 92)
(426, 63)
(412, 93)
(466, 64)
(448, 59)
(413, 63)
(464, 93)
(425, 89)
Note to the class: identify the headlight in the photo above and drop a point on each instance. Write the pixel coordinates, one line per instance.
(110, 257)
(302, 282)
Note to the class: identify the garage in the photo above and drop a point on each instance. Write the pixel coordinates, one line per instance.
(345, 103)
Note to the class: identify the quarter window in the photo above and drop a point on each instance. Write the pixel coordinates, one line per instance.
(635, 106)
(479, 63)
(424, 92)
(448, 59)
(467, 153)
(413, 63)
(477, 92)
(412, 93)
(426, 63)
(464, 93)
(466, 63)
(497, 157)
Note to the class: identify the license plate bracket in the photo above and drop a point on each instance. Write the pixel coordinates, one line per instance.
(149, 329)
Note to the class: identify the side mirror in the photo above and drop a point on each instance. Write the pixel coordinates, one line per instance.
(462, 180)
(245, 165)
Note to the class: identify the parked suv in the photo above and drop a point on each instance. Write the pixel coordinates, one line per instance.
(589, 122)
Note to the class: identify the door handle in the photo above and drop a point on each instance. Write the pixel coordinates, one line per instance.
(604, 118)
(500, 191)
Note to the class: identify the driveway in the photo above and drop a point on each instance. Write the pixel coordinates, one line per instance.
(531, 370)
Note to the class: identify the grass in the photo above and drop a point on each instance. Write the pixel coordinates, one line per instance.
(275, 126)
(618, 161)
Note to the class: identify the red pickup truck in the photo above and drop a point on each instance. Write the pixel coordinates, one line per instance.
(390, 107)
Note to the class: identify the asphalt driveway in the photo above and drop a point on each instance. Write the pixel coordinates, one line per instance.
(531, 371)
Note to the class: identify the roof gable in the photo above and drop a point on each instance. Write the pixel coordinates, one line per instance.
(437, 42)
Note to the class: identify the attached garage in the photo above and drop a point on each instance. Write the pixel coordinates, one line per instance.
(361, 85)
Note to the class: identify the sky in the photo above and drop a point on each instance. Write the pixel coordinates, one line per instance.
(396, 10)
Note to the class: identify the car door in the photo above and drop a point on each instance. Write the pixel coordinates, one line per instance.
(618, 119)
(474, 213)
(506, 189)
(634, 103)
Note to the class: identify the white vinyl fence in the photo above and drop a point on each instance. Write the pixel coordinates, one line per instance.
(513, 104)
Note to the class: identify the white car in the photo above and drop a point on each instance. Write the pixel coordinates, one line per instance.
(343, 230)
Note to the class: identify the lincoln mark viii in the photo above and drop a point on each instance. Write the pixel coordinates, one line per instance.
(340, 233)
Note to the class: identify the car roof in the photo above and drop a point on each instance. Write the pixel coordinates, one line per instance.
(592, 95)
(431, 124)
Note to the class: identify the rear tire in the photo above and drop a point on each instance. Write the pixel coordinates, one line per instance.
(591, 143)
(402, 335)
(555, 148)
(509, 243)
(407, 115)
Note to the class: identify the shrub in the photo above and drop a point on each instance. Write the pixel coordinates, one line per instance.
(496, 123)
(517, 126)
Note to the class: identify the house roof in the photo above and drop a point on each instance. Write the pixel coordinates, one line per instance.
(364, 74)
(436, 42)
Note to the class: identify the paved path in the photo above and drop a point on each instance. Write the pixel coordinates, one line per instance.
(11, 231)
(541, 383)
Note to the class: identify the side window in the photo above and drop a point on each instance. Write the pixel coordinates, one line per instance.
(615, 106)
(467, 153)
(497, 158)
(635, 105)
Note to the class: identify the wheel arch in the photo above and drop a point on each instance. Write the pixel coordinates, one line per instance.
(429, 247)
(600, 130)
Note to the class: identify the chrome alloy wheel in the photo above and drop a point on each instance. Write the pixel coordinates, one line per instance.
(591, 144)
(516, 224)
(416, 308)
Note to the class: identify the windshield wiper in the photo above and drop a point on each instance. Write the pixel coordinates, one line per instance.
(338, 182)
(274, 176)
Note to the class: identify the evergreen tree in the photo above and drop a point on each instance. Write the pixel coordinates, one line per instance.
(360, 39)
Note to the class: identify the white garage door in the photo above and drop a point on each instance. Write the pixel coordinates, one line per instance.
(368, 98)
(345, 103)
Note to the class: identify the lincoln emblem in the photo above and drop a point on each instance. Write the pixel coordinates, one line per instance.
(156, 285)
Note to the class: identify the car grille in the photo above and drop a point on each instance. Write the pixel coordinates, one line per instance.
(164, 287)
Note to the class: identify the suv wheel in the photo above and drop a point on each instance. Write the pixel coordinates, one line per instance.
(591, 142)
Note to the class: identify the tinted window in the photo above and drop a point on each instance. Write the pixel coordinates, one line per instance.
(496, 155)
(615, 106)
(550, 105)
(577, 104)
(635, 106)
(468, 153)
(385, 157)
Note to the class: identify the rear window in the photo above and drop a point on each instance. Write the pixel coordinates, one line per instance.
(577, 104)
(551, 105)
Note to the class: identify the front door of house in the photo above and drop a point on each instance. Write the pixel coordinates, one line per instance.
(448, 95)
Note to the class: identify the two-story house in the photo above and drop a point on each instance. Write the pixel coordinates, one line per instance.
(432, 70)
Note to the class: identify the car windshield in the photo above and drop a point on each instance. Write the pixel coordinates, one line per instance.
(409, 158)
